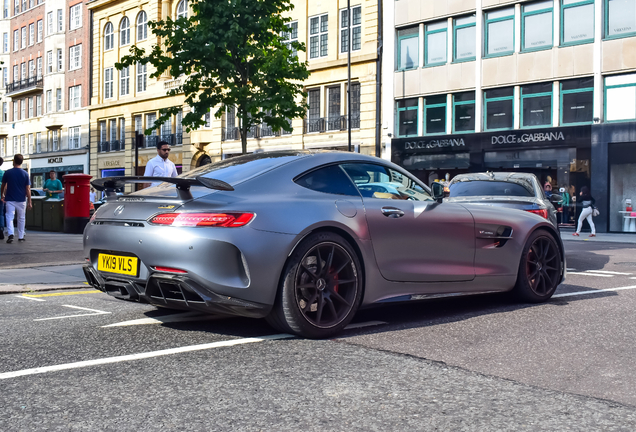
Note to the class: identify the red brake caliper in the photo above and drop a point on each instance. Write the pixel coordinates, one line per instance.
(335, 279)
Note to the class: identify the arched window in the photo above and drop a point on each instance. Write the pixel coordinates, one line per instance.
(124, 32)
(109, 37)
(182, 9)
(142, 26)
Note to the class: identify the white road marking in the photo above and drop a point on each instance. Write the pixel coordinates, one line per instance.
(29, 298)
(594, 291)
(570, 269)
(95, 312)
(589, 274)
(608, 272)
(182, 317)
(364, 324)
(140, 356)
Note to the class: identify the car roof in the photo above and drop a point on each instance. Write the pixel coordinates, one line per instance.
(494, 176)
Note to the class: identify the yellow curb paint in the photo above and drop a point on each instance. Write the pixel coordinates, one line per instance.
(61, 294)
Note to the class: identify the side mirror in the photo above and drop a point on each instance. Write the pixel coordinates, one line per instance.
(556, 198)
(438, 191)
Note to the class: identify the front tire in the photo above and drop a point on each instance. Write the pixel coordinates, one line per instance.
(539, 270)
(321, 288)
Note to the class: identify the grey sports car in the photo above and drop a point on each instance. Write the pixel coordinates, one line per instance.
(297, 238)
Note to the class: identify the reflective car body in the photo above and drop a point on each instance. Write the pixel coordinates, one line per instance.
(503, 189)
(405, 245)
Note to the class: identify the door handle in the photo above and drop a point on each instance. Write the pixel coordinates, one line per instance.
(392, 212)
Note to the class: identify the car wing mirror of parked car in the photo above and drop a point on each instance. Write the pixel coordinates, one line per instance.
(556, 199)
(438, 191)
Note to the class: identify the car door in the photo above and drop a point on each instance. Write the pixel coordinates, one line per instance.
(415, 239)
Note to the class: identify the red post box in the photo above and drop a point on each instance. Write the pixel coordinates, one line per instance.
(77, 202)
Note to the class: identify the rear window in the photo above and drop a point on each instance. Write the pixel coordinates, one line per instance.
(241, 168)
(489, 188)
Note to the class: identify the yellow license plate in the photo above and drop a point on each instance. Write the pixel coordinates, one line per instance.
(117, 264)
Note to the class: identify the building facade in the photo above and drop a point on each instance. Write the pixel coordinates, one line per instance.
(546, 87)
(45, 105)
(124, 103)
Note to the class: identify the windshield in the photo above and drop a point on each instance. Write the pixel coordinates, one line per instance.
(241, 168)
(490, 188)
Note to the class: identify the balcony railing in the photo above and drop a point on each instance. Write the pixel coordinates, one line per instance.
(336, 123)
(25, 85)
(234, 133)
(110, 146)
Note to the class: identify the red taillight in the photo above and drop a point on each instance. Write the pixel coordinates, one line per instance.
(228, 220)
(541, 212)
(169, 270)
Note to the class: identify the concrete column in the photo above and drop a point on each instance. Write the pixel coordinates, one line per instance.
(597, 57)
(449, 43)
(420, 116)
(420, 55)
(517, 21)
(449, 113)
(516, 108)
(556, 19)
(556, 103)
(479, 37)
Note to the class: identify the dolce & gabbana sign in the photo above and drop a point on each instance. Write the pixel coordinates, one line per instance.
(527, 138)
(434, 143)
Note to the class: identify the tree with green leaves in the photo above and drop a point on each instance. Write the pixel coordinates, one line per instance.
(231, 53)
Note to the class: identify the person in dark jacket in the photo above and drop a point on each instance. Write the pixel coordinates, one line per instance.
(587, 203)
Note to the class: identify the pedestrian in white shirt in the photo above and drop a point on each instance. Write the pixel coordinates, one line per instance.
(161, 166)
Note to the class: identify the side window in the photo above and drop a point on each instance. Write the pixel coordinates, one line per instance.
(377, 181)
(330, 180)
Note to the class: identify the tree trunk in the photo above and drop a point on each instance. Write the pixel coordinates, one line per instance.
(244, 138)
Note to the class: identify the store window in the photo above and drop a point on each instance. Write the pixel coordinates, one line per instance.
(408, 47)
(620, 18)
(536, 26)
(464, 112)
(435, 39)
(498, 108)
(536, 105)
(407, 117)
(620, 97)
(622, 186)
(318, 36)
(500, 29)
(464, 40)
(435, 115)
(577, 97)
(577, 22)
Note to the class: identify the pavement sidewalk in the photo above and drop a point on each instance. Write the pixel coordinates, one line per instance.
(50, 261)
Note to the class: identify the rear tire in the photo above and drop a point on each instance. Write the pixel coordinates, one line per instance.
(320, 289)
(539, 272)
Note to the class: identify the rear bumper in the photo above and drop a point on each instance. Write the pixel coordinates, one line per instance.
(176, 292)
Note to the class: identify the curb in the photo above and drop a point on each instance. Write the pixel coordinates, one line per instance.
(44, 264)
(19, 289)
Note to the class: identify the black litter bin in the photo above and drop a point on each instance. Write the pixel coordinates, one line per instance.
(53, 215)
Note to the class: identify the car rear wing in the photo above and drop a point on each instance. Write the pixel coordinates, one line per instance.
(110, 184)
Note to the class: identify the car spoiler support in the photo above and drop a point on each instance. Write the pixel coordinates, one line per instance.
(110, 184)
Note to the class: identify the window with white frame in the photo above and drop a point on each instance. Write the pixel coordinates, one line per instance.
(75, 57)
(31, 144)
(23, 34)
(5, 42)
(122, 133)
(39, 66)
(40, 30)
(22, 144)
(16, 73)
(74, 137)
(500, 32)
(30, 107)
(16, 7)
(142, 26)
(108, 83)
(318, 36)
(5, 113)
(15, 144)
(60, 22)
(109, 37)
(356, 29)
(75, 16)
(31, 68)
(16, 40)
(38, 105)
(5, 76)
(23, 71)
(141, 77)
(31, 34)
(124, 31)
(58, 99)
(182, 9)
(577, 21)
(49, 22)
(60, 64)
(49, 61)
(124, 81)
(435, 42)
(75, 97)
(49, 101)
(15, 111)
(291, 35)
(56, 141)
(38, 142)
(465, 28)
(22, 109)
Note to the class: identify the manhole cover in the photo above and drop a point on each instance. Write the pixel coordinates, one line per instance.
(630, 264)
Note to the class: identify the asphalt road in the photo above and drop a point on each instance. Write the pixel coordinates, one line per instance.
(473, 363)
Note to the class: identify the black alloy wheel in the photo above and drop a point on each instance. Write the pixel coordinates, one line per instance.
(540, 268)
(321, 288)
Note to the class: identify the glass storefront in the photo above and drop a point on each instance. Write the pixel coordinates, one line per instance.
(622, 186)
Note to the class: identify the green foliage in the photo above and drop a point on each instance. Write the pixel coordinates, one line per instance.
(230, 53)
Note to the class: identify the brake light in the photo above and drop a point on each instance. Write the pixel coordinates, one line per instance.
(541, 212)
(169, 270)
(227, 220)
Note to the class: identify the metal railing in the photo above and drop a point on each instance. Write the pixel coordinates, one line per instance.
(110, 146)
(234, 133)
(25, 84)
(327, 124)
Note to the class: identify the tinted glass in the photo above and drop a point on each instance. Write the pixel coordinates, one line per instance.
(377, 181)
(331, 180)
(465, 117)
(537, 111)
(500, 92)
(577, 84)
(407, 122)
(577, 107)
(536, 88)
(490, 188)
(240, 168)
(499, 114)
(436, 120)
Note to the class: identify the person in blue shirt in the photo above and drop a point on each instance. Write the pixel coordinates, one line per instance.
(53, 187)
(1, 205)
(15, 192)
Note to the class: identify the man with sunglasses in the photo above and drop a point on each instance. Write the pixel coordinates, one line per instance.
(161, 165)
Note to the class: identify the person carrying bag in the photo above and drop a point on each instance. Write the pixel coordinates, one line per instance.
(588, 211)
